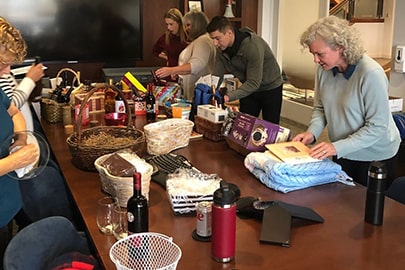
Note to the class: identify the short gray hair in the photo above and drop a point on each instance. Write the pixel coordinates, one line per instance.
(336, 32)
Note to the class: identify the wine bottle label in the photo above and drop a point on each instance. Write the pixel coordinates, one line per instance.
(119, 106)
(130, 217)
(150, 108)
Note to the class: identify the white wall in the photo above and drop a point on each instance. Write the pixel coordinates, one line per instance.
(281, 22)
(295, 17)
(397, 80)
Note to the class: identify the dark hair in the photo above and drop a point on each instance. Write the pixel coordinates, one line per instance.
(219, 23)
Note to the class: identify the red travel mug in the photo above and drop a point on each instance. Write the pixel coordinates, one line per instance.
(223, 237)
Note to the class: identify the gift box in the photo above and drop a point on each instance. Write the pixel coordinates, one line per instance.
(167, 93)
(212, 113)
(251, 134)
(95, 102)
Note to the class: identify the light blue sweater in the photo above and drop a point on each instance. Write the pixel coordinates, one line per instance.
(356, 112)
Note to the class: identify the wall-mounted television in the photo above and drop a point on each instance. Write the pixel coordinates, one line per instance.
(76, 31)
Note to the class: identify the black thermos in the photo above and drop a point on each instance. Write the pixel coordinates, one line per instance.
(377, 178)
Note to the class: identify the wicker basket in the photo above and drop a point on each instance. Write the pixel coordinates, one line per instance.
(122, 187)
(165, 136)
(84, 156)
(209, 129)
(51, 110)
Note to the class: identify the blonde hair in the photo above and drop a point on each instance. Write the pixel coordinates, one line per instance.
(198, 21)
(176, 16)
(336, 32)
(12, 45)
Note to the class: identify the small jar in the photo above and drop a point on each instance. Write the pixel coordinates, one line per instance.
(67, 115)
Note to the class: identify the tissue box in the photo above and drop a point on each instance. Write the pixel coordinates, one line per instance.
(95, 102)
(212, 113)
(395, 103)
(250, 134)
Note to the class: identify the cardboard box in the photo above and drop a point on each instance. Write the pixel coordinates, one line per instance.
(396, 104)
(212, 113)
(232, 84)
(253, 134)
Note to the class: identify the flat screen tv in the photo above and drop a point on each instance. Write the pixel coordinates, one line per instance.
(74, 31)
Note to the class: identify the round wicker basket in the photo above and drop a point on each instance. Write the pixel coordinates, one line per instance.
(105, 139)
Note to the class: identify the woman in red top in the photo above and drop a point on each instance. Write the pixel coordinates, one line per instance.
(173, 41)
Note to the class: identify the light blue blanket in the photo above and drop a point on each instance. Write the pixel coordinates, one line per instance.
(285, 177)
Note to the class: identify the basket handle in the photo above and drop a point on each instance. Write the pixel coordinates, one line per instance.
(75, 74)
(103, 87)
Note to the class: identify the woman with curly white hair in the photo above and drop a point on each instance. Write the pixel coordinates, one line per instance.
(351, 100)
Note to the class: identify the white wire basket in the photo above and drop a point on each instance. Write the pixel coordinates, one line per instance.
(152, 251)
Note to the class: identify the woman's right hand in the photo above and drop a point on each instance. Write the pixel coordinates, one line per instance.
(305, 137)
(24, 156)
(36, 72)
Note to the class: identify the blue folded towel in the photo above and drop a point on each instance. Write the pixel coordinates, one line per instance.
(286, 177)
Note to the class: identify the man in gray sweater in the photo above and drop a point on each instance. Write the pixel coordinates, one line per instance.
(249, 58)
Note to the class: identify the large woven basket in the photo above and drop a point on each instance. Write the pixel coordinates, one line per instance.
(107, 139)
(165, 136)
(122, 187)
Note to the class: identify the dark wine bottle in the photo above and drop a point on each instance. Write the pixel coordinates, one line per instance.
(137, 207)
(109, 99)
(150, 104)
(66, 97)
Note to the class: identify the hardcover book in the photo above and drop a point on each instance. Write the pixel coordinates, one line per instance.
(291, 152)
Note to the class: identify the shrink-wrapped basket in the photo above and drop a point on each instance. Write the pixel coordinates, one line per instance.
(165, 136)
(51, 110)
(87, 145)
(122, 187)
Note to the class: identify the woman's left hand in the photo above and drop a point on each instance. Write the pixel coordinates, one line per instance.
(322, 150)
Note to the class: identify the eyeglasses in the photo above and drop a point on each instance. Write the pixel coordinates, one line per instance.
(4, 64)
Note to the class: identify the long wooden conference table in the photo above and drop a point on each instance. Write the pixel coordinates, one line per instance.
(343, 241)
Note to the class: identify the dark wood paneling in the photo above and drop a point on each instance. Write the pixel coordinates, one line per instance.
(153, 27)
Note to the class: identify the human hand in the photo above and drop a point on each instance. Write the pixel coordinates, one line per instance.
(305, 137)
(164, 72)
(36, 72)
(174, 77)
(23, 156)
(163, 55)
(322, 150)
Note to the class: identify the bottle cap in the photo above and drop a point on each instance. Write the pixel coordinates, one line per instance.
(137, 177)
(224, 195)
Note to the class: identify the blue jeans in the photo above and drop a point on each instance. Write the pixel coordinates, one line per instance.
(46, 195)
(37, 245)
